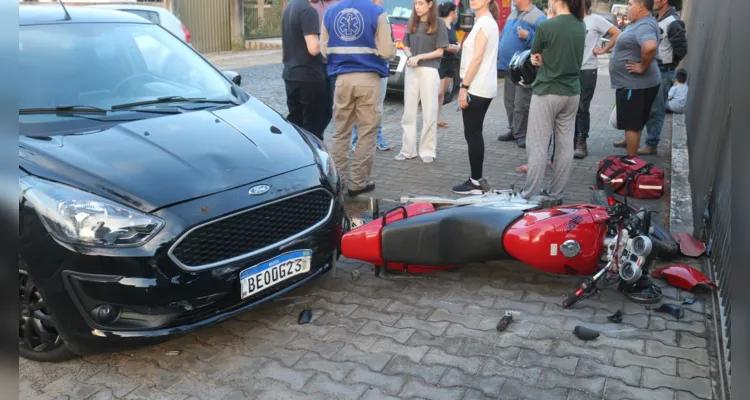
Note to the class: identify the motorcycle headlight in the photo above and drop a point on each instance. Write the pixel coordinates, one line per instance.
(77, 217)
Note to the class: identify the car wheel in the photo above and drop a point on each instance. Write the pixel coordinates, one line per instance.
(38, 339)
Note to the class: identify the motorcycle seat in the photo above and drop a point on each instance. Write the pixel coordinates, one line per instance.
(451, 236)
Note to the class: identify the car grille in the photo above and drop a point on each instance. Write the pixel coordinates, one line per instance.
(250, 231)
(393, 64)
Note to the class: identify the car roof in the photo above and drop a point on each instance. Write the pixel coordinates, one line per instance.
(129, 7)
(54, 14)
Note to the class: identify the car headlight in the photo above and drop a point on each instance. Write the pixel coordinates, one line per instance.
(322, 156)
(77, 217)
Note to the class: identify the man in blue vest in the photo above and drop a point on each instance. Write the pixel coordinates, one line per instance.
(356, 39)
(518, 35)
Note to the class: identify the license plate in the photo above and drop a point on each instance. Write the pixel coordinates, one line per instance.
(268, 273)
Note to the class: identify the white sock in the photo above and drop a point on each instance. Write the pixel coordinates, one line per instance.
(474, 181)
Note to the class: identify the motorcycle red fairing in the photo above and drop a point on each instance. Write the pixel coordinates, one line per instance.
(418, 238)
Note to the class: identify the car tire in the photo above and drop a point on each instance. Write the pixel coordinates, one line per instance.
(38, 339)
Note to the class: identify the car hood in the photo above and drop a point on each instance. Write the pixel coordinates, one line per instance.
(156, 162)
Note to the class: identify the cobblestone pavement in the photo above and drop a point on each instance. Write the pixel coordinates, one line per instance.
(427, 337)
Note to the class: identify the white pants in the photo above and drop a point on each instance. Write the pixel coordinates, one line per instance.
(421, 84)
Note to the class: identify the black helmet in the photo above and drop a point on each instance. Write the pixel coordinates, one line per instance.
(522, 72)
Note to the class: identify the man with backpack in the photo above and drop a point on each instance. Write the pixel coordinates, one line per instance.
(672, 49)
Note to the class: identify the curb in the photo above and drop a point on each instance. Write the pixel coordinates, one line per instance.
(261, 45)
(681, 201)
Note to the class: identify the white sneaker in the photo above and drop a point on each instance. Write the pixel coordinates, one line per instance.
(428, 160)
(400, 157)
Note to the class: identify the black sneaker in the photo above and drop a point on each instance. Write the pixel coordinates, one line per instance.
(507, 137)
(521, 142)
(368, 188)
(469, 187)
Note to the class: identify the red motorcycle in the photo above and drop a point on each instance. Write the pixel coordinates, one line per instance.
(606, 240)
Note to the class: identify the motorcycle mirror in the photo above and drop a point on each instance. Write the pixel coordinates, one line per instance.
(646, 221)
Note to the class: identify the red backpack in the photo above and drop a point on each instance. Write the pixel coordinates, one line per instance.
(631, 176)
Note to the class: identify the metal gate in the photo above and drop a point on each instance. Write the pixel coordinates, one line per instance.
(709, 144)
(263, 18)
(209, 23)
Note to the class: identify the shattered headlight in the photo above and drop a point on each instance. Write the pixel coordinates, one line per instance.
(77, 217)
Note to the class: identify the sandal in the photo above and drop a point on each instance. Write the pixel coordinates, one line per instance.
(525, 168)
(442, 124)
(621, 144)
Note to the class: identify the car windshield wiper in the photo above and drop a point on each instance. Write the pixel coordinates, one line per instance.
(171, 99)
(58, 109)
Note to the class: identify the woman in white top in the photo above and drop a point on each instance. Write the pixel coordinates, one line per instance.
(478, 88)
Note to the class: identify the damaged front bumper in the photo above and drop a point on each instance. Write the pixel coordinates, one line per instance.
(104, 300)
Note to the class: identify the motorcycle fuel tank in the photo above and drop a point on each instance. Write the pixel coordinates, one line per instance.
(561, 240)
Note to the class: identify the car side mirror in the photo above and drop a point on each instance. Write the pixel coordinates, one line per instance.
(233, 76)
(466, 21)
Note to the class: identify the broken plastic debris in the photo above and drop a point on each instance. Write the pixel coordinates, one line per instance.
(672, 309)
(584, 333)
(616, 317)
(304, 317)
(507, 319)
(355, 274)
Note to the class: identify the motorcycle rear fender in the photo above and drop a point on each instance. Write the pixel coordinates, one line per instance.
(364, 243)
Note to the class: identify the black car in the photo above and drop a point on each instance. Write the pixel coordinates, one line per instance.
(156, 195)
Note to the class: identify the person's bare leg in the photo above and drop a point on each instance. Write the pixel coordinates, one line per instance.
(441, 98)
(633, 140)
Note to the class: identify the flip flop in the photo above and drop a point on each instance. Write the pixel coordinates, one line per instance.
(442, 124)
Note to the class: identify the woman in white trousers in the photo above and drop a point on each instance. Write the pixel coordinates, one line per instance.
(424, 41)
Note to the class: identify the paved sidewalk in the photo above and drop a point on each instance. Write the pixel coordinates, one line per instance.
(429, 336)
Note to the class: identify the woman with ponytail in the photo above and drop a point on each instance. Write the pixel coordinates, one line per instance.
(478, 87)
(558, 51)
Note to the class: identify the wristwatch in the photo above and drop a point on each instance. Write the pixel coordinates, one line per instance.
(464, 86)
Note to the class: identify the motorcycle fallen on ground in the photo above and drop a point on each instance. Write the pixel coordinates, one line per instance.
(606, 241)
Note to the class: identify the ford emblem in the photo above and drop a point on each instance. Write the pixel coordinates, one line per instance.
(258, 190)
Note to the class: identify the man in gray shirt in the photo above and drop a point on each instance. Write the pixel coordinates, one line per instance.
(634, 73)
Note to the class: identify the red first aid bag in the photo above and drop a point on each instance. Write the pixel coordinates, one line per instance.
(631, 176)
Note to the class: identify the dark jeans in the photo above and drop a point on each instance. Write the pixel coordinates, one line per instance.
(656, 118)
(307, 102)
(517, 102)
(331, 88)
(583, 117)
(473, 117)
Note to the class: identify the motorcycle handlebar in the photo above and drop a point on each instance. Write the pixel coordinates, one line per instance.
(573, 298)
(662, 247)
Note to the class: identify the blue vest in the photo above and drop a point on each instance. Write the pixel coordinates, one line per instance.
(351, 26)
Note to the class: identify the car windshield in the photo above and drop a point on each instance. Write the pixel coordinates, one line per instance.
(106, 64)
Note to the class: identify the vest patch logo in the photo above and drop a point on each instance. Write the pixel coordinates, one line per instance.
(349, 24)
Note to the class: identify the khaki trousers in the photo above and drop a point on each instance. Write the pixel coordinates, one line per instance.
(356, 99)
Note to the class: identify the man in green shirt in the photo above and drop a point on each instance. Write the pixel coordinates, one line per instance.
(558, 51)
